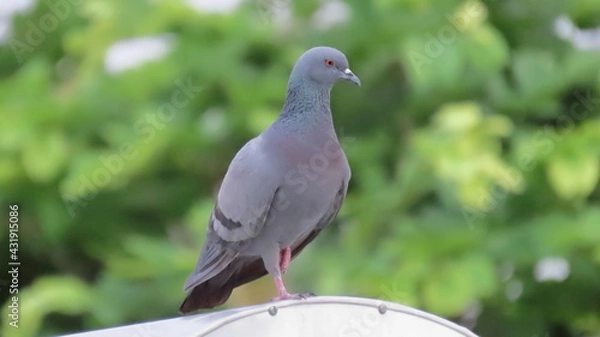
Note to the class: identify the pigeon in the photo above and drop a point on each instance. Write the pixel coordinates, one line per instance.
(280, 190)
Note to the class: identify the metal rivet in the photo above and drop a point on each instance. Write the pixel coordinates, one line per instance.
(382, 309)
(273, 311)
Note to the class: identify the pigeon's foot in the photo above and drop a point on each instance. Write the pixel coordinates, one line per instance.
(284, 295)
(287, 296)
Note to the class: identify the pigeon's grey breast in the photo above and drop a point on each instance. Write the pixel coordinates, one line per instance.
(310, 173)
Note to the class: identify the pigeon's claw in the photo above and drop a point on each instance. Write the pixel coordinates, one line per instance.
(288, 296)
(304, 296)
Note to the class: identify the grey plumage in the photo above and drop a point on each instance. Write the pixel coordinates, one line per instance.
(281, 189)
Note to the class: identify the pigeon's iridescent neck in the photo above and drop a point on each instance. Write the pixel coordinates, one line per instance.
(307, 108)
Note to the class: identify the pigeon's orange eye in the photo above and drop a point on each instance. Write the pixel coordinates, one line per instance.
(329, 63)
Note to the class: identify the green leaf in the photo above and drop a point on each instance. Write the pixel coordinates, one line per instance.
(458, 116)
(573, 176)
(486, 49)
(44, 156)
(450, 289)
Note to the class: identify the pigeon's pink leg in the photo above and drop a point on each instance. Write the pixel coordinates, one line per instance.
(284, 259)
(285, 255)
(282, 293)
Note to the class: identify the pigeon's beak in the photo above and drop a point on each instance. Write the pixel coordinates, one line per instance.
(350, 77)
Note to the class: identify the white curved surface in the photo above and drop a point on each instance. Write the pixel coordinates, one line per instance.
(317, 316)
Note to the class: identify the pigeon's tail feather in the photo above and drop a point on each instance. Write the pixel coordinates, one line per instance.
(216, 290)
(206, 295)
(209, 268)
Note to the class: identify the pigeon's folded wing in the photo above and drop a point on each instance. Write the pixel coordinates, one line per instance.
(245, 201)
(248, 192)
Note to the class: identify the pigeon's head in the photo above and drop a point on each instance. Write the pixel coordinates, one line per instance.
(323, 65)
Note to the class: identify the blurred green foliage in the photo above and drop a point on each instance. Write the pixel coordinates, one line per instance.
(474, 144)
